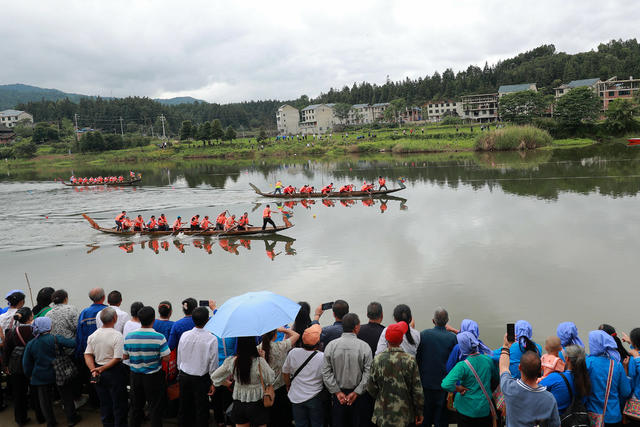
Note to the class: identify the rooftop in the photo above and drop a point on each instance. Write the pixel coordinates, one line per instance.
(360, 106)
(515, 88)
(381, 104)
(6, 113)
(311, 107)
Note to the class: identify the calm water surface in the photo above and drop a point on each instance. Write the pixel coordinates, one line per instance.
(546, 237)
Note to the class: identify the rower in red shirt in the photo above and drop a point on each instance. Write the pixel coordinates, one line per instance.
(243, 222)
(345, 189)
(195, 222)
(126, 224)
(382, 183)
(177, 224)
(138, 224)
(266, 218)
(163, 224)
(119, 219)
(327, 189)
(152, 225)
(221, 220)
(205, 224)
(231, 222)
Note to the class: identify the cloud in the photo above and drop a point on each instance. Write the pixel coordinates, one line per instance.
(235, 51)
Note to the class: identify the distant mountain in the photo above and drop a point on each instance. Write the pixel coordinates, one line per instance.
(14, 94)
(178, 100)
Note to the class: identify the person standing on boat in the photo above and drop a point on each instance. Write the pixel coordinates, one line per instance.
(163, 224)
(152, 225)
(278, 189)
(195, 222)
(266, 218)
(382, 182)
(221, 220)
(119, 220)
(138, 224)
(205, 224)
(177, 224)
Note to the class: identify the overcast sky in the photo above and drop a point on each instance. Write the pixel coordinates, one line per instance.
(226, 51)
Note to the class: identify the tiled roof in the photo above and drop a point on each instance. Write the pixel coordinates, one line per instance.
(515, 88)
(6, 113)
(582, 83)
(311, 107)
(381, 104)
(360, 106)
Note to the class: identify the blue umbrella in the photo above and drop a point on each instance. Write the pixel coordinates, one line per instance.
(252, 314)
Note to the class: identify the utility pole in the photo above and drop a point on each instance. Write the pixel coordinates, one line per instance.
(75, 116)
(162, 120)
(121, 128)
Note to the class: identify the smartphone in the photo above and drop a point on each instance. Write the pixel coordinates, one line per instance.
(327, 305)
(511, 332)
(204, 303)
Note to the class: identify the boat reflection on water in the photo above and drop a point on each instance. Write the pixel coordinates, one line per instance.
(102, 188)
(274, 245)
(380, 203)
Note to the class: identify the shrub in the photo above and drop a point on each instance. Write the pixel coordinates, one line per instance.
(513, 138)
(7, 153)
(25, 149)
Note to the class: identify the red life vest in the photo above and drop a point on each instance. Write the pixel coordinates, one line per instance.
(177, 224)
(222, 218)
(266, 213)
(120, 217)
(243, 221)
(194, 221)
(205, 223)
(162, 220)
(381, 181)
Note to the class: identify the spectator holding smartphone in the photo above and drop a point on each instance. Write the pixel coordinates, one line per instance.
(329, 333)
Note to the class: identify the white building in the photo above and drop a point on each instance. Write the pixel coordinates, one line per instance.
(590, 83)
(287, 119)
(481, 108)
(437, 109)
(10, 118)
(317, 119)
(378, 110)
(361, 114)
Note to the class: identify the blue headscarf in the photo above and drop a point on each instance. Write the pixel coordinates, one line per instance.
(469, 325)
(41, 325)
(523, 329)
(568, 334)
(468, 343)
(603, 344)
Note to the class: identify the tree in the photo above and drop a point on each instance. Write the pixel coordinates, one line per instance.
(636, 97)
(262, 136)
(522, 107)
(204, 132)
(217, 132)
(577, 106)
(620, 116)
(394, 110)
(92, 141)
(186, 130)
(44, 132)
(25, 149)
(23, 130)
(66, 128)
(229, 134)
(341, 111)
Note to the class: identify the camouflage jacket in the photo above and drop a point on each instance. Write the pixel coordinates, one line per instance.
(395, 385)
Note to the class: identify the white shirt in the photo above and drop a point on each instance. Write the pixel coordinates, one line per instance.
(308, 382)
(130, 326)
(198, 352)
(412, 349)
(105, 344)
(6, 318)
(123, 317)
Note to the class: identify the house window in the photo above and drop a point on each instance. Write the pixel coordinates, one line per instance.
(611, 93)
(624, 92)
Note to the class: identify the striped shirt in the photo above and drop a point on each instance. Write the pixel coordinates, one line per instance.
(145, 348)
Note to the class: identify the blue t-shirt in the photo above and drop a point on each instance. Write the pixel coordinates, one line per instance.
(163, 326)
(145, 348)
(515, 354)
(226, 348)
(556, 386)
(181, 326)
(634, 374)
(528, 406)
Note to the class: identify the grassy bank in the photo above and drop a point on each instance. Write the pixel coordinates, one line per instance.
(513, 138)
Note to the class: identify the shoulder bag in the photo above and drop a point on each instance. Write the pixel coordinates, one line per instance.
(494, 416)
(576, 414)
(63, 366)
(15, 358)
(632, 408)
(597, 420)
(295, 374)
(268, 391)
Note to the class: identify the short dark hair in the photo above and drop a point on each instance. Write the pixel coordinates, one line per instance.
(165, 308)
(59, 296)
(634, 336)
(188, 305)
(114, 298)
(374, 310)
(340, 308)
(530, 365)
(135, 308)
(146, 315)
(200, 316)
(349, 322)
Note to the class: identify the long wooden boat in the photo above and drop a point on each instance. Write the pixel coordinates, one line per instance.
(333, 194)
(127, 182)
(633, 141)
(250, 231)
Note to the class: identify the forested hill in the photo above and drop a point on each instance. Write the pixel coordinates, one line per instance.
(542, 65)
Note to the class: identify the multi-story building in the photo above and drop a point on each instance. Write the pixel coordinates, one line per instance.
(361, 114)
(287, 119)
(590, 83)
(613, 89)
(317, 119)
(508, 89)
(10, 118)
(411, 114)
(480, 108)
(378, 110)
(435, 110)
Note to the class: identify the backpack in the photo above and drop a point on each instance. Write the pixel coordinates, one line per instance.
(15, 358)
(576, 414)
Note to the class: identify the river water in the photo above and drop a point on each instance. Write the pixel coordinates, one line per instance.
(547, 237)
